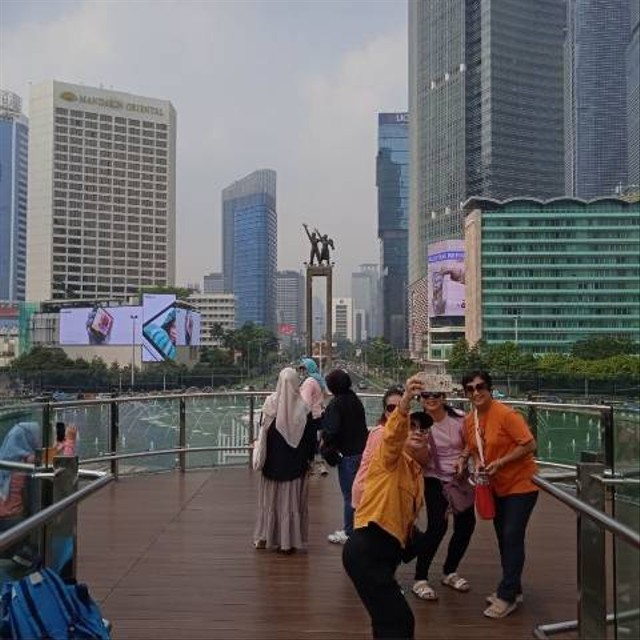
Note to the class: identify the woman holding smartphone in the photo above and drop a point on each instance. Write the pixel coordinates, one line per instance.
(446, 444)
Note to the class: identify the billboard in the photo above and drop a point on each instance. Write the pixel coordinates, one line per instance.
(99, 325)
(166, 326)
(445, 278)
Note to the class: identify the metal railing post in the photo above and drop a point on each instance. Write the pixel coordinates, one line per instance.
(114, 434)
(608, 438)
(251, 434)
(182, 435)
(60, 534)
(592, 577)
(532, 418)
(46, 426)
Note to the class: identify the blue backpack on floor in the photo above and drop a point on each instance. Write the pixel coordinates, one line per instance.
(41, 605)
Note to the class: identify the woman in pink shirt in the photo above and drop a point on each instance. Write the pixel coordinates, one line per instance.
(390, 401)
(446, 444)
(312, 390)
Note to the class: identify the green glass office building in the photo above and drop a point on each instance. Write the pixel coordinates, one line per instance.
(546, 274)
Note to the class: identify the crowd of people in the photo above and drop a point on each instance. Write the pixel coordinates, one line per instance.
(429, 458)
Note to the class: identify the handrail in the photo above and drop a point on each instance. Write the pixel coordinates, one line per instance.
(160, 452)
(602, 519)
(33, 522)
(17, 466)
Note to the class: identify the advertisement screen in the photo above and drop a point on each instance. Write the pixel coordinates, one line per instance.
(188, 328)
(166, 327)
(160, 327)
(445, 278)
(100, 325)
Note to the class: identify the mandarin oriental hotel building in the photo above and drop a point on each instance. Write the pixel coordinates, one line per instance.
(101, 210)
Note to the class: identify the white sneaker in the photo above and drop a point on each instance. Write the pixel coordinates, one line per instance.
(338, 537)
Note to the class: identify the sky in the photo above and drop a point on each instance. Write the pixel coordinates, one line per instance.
(290, 85)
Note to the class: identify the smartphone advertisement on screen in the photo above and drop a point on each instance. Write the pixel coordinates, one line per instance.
(100, 325)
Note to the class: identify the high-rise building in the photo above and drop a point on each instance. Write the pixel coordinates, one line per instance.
(633, 97)
(392, 180)
(101, 215)
(365, 297)
(14, 140)
(290, 304)
(343, 319)
(545, 275)
(250, 246)
(485, 115)
(596, 162)
(217, 313)
(213, 283)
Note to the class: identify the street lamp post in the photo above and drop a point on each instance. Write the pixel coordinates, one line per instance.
(134, 317)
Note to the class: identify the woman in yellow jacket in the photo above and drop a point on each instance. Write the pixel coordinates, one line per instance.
(385, 518)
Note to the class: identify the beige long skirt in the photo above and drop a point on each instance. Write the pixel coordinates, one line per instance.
(282, 520)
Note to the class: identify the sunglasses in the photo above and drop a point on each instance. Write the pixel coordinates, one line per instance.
(429, 395)
(390, 407)
(472, 388)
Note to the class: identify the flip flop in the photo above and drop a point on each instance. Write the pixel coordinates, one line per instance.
(500, 609)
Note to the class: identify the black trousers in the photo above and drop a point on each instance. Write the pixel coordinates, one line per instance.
(370, 558)
(437, 521)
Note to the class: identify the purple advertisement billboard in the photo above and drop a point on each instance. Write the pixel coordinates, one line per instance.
(100, 325)
(445, 278)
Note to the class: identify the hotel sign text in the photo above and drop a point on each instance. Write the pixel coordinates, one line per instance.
(111, 103)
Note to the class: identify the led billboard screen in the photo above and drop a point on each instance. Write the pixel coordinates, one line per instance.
(100, 325)
(445, 278)
(166, 327)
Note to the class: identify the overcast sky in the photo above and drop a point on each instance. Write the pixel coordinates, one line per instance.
(293, 86)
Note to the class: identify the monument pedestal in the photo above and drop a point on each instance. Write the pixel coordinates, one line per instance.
(320, 271)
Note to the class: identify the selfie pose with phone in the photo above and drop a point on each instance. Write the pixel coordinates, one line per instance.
(391, 501)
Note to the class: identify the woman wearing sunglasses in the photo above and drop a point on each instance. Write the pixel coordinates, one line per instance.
(390, 401)
(502, 445)
(446, 440)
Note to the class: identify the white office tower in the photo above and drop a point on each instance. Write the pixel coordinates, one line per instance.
(101, 216)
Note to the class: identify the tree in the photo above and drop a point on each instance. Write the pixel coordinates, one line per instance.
(599, 347)
(459, 356)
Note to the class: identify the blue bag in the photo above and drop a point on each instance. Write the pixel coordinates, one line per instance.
(41, 605)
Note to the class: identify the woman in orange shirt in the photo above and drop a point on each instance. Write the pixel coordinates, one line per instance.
(507, 458)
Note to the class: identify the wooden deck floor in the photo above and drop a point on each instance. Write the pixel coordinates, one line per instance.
(170, 556)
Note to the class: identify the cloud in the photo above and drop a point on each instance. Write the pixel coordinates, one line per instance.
(291, 86)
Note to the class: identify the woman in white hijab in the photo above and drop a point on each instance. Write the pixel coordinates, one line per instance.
(282, 521)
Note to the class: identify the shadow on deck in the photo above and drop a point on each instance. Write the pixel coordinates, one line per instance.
(170, 556)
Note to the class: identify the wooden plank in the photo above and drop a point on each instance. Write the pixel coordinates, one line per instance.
(170, 556)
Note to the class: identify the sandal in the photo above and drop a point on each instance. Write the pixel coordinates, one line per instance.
(492, 597)
(456, 582)
(423, 590)
(500, 608)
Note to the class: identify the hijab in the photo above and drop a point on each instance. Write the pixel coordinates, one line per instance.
(339, 382)
(287, 407)
(312, 369)
(22, 440)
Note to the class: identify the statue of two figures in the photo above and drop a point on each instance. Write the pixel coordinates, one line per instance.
(320, 245)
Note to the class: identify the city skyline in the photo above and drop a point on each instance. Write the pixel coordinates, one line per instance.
(317, 129)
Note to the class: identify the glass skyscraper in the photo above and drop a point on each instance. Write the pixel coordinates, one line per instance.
(14, 141)
(547, 274)
(392, 180)
(633, 97)
(485, 111)
(596, 97)
(249, 246)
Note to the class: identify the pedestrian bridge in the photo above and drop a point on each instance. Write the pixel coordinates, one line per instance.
(167, 548)
(171, 556)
